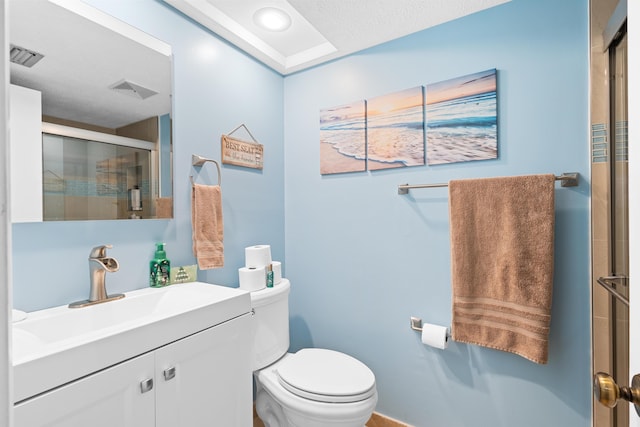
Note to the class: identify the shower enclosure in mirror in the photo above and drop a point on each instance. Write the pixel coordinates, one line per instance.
(85, 178)
(105, 111)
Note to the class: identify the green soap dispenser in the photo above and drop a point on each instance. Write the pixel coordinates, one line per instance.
(159, 268)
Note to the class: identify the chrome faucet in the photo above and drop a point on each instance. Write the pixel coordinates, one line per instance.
(99, 265)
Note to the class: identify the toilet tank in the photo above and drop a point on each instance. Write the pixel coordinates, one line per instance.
(270, 324)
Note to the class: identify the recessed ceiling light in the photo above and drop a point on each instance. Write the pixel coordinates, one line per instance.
(272, 19)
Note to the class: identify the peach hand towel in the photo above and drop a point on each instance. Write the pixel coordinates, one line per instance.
(164, 207)
(502, 232)
(207, 225)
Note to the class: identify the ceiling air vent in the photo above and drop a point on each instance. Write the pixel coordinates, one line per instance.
(26, 57)
(131, 89)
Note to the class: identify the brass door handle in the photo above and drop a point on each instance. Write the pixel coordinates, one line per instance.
(608, 392)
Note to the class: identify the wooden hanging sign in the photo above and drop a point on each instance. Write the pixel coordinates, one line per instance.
(241, 153)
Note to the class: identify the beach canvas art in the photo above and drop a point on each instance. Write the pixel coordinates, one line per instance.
(462, 119)
(343, 139)
(395, 130)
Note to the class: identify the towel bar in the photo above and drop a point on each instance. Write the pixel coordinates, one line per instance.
(568, 180)
(198, 161)
(610, 283)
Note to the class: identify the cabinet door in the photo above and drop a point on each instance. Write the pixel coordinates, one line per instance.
(206, 379)
(110, 398)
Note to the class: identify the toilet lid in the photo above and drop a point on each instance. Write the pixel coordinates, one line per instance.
(326, 376)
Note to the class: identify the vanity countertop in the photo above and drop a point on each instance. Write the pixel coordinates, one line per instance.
(55, 346)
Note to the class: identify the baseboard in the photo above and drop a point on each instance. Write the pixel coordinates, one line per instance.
(376, 420)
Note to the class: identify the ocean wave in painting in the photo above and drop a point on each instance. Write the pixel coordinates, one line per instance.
(347, 141)
(462, 129)
(396, 138)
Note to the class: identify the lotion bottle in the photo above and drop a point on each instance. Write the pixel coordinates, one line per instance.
(159, 268)
(269, 276)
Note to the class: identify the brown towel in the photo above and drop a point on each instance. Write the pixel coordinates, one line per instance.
(502, 232)
(207, 225)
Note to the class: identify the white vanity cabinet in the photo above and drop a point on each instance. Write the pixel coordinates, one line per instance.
(205, 379)
(201, 380)
(108, 398)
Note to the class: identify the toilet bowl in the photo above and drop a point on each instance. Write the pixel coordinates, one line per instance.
(310, 388)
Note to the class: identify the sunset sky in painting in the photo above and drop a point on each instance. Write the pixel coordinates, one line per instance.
(342, 113)
(472, 84)
(402, 100)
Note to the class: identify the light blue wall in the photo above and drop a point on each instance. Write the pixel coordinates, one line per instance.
(362, 259)
(216, 88)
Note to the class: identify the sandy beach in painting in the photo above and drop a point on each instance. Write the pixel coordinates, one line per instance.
(334, 162)
(343, 139)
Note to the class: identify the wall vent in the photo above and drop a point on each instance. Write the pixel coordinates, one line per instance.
(131, 89)
(26, 57)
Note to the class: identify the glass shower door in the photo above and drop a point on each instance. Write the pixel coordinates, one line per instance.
(620, 217)
(617, 282)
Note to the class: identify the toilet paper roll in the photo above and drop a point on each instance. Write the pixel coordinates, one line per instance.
(435, 335)
(277, 272)
(252, 279)
(257, 256)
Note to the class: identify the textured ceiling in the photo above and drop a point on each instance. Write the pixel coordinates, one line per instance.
(82, 58)
(322, 30)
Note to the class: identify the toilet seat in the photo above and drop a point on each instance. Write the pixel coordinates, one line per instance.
(326, 376)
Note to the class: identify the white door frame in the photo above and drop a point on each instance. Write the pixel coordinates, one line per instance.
(6, 384)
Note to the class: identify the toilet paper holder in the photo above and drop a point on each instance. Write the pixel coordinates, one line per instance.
(416, 325)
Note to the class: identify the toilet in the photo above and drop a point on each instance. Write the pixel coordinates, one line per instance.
(310, 388)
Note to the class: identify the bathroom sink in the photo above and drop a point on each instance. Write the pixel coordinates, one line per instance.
(56, 345)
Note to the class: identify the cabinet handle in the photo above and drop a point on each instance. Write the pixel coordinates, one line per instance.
(146, 385)
(169, 373)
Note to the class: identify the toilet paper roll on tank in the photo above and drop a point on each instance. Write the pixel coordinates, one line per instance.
(253, 276)
(257, 256)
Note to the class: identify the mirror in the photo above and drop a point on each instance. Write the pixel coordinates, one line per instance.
(105, 92)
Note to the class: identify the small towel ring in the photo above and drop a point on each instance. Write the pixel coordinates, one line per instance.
(198, 161)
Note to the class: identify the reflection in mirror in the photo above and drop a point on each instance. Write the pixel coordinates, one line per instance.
(85, 177)
(106, 111)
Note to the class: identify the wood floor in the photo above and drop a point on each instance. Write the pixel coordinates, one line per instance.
(376, 420)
